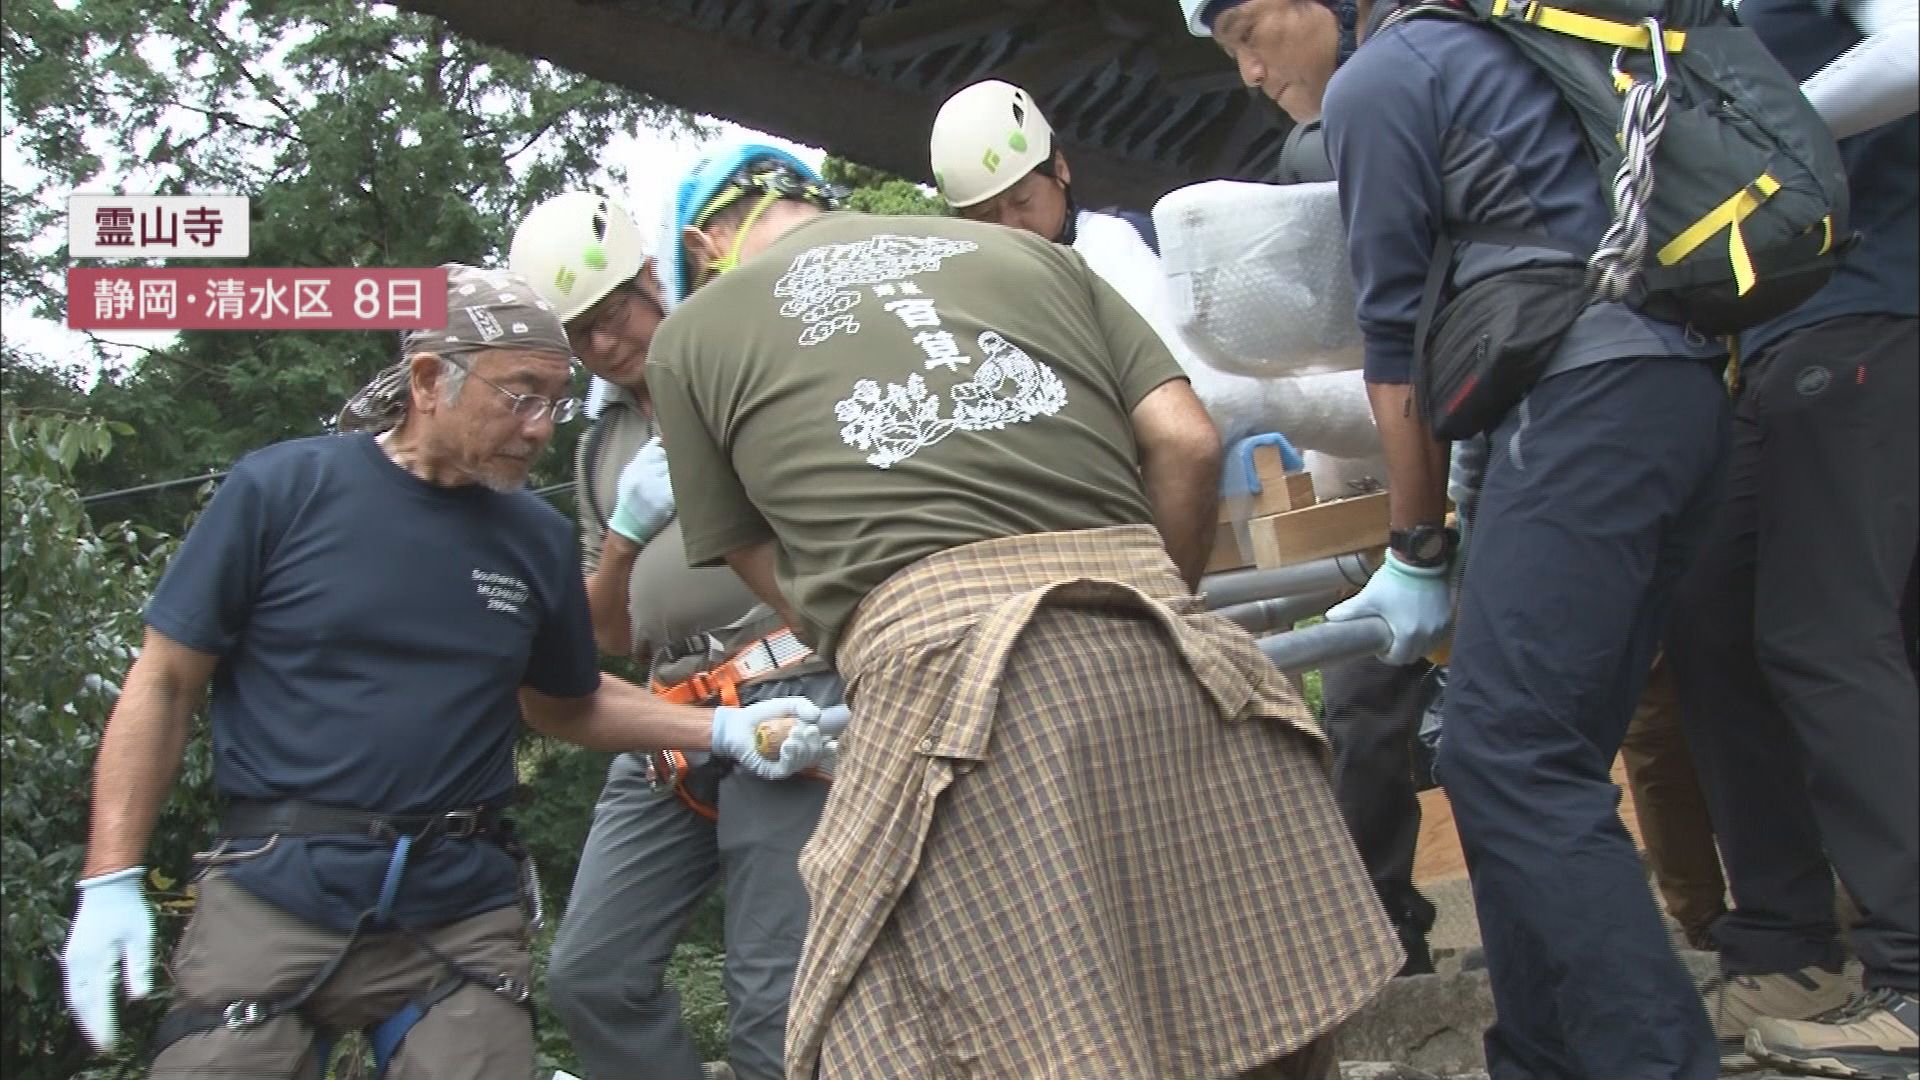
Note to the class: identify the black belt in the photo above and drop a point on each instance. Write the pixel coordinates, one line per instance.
(292, 817)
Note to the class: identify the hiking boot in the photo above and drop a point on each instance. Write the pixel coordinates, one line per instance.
(1871, 1037)
(1412, 920)
(1734, 1002)
(1698, 937)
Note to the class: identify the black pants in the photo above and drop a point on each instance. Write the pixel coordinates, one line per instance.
(1794, 671)
(1598, 490)
(1372, 711)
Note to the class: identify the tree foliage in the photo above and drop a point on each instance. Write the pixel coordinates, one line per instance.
(364, 137)
(71, 624)
(873, 191)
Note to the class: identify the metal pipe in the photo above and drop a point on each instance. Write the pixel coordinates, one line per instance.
(1279, 612)
(1244, 586)
(1318, 645)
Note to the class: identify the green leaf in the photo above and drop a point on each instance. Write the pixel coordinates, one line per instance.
(69, 452)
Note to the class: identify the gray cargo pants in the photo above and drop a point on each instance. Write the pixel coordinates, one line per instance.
(649, 861)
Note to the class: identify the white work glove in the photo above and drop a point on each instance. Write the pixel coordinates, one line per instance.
(733, 736)
(645, 495)
(1416, 603)
(816, 744)
(833, 720)
(112, 935)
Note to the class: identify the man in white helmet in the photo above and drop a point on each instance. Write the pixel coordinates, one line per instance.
(668, 827)
(994, 159)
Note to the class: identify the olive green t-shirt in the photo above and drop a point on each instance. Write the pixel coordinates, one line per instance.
(873, 390)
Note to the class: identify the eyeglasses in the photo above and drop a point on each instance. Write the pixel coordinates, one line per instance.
(610, 313)
(528, 408)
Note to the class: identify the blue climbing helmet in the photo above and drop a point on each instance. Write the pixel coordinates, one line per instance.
(722, 179)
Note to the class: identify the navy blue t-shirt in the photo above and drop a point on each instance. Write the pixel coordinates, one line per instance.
(1882, 275)
(373, 632)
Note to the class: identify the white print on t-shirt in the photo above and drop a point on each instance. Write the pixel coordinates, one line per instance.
(501, 592)
(894, 423)
(819, 287)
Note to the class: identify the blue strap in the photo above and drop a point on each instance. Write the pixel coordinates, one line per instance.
(387, 1035)
(390, 887)
(1239, 477)
(323, 1052)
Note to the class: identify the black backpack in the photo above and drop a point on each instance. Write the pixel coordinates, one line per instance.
(1746, 215)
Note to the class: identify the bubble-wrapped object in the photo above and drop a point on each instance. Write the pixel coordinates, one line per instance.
(1113, 248)
(1258, 277)
(1327, 412)
(1238, 405)
(1338, 478)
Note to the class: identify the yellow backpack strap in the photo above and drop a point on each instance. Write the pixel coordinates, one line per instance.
(1728, 215)
(1587, 27)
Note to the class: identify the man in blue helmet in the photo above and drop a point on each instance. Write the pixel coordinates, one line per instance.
(1599, 486)
(976, 479)
(668, 828)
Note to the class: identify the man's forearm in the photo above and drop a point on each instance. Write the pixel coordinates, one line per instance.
(1416, 461)
(620, 717)
(607, 595)
(757, 566)
(1183, 488)
(139, 759)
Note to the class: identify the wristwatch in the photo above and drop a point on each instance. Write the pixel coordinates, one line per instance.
(1424, 546)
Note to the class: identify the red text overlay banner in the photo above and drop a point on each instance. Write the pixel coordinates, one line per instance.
(256, 298)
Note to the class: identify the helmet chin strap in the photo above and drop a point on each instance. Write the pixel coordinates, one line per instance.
(732, 258)
(1069, 226)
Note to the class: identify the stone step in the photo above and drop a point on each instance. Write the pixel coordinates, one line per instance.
(1388, 1070)
(1432, 1024)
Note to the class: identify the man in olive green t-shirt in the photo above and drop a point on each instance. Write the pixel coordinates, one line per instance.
(1079, 826)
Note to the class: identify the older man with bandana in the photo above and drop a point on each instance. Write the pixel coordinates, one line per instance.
(374, 613)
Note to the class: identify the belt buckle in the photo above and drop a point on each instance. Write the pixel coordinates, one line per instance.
(704, 686)
(460, 824)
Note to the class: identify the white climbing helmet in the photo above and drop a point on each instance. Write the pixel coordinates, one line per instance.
(576, 248)
(986, 137)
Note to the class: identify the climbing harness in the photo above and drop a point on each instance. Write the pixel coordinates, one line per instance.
(273, 819)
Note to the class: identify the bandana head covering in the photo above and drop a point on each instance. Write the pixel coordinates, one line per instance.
(486, 309)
